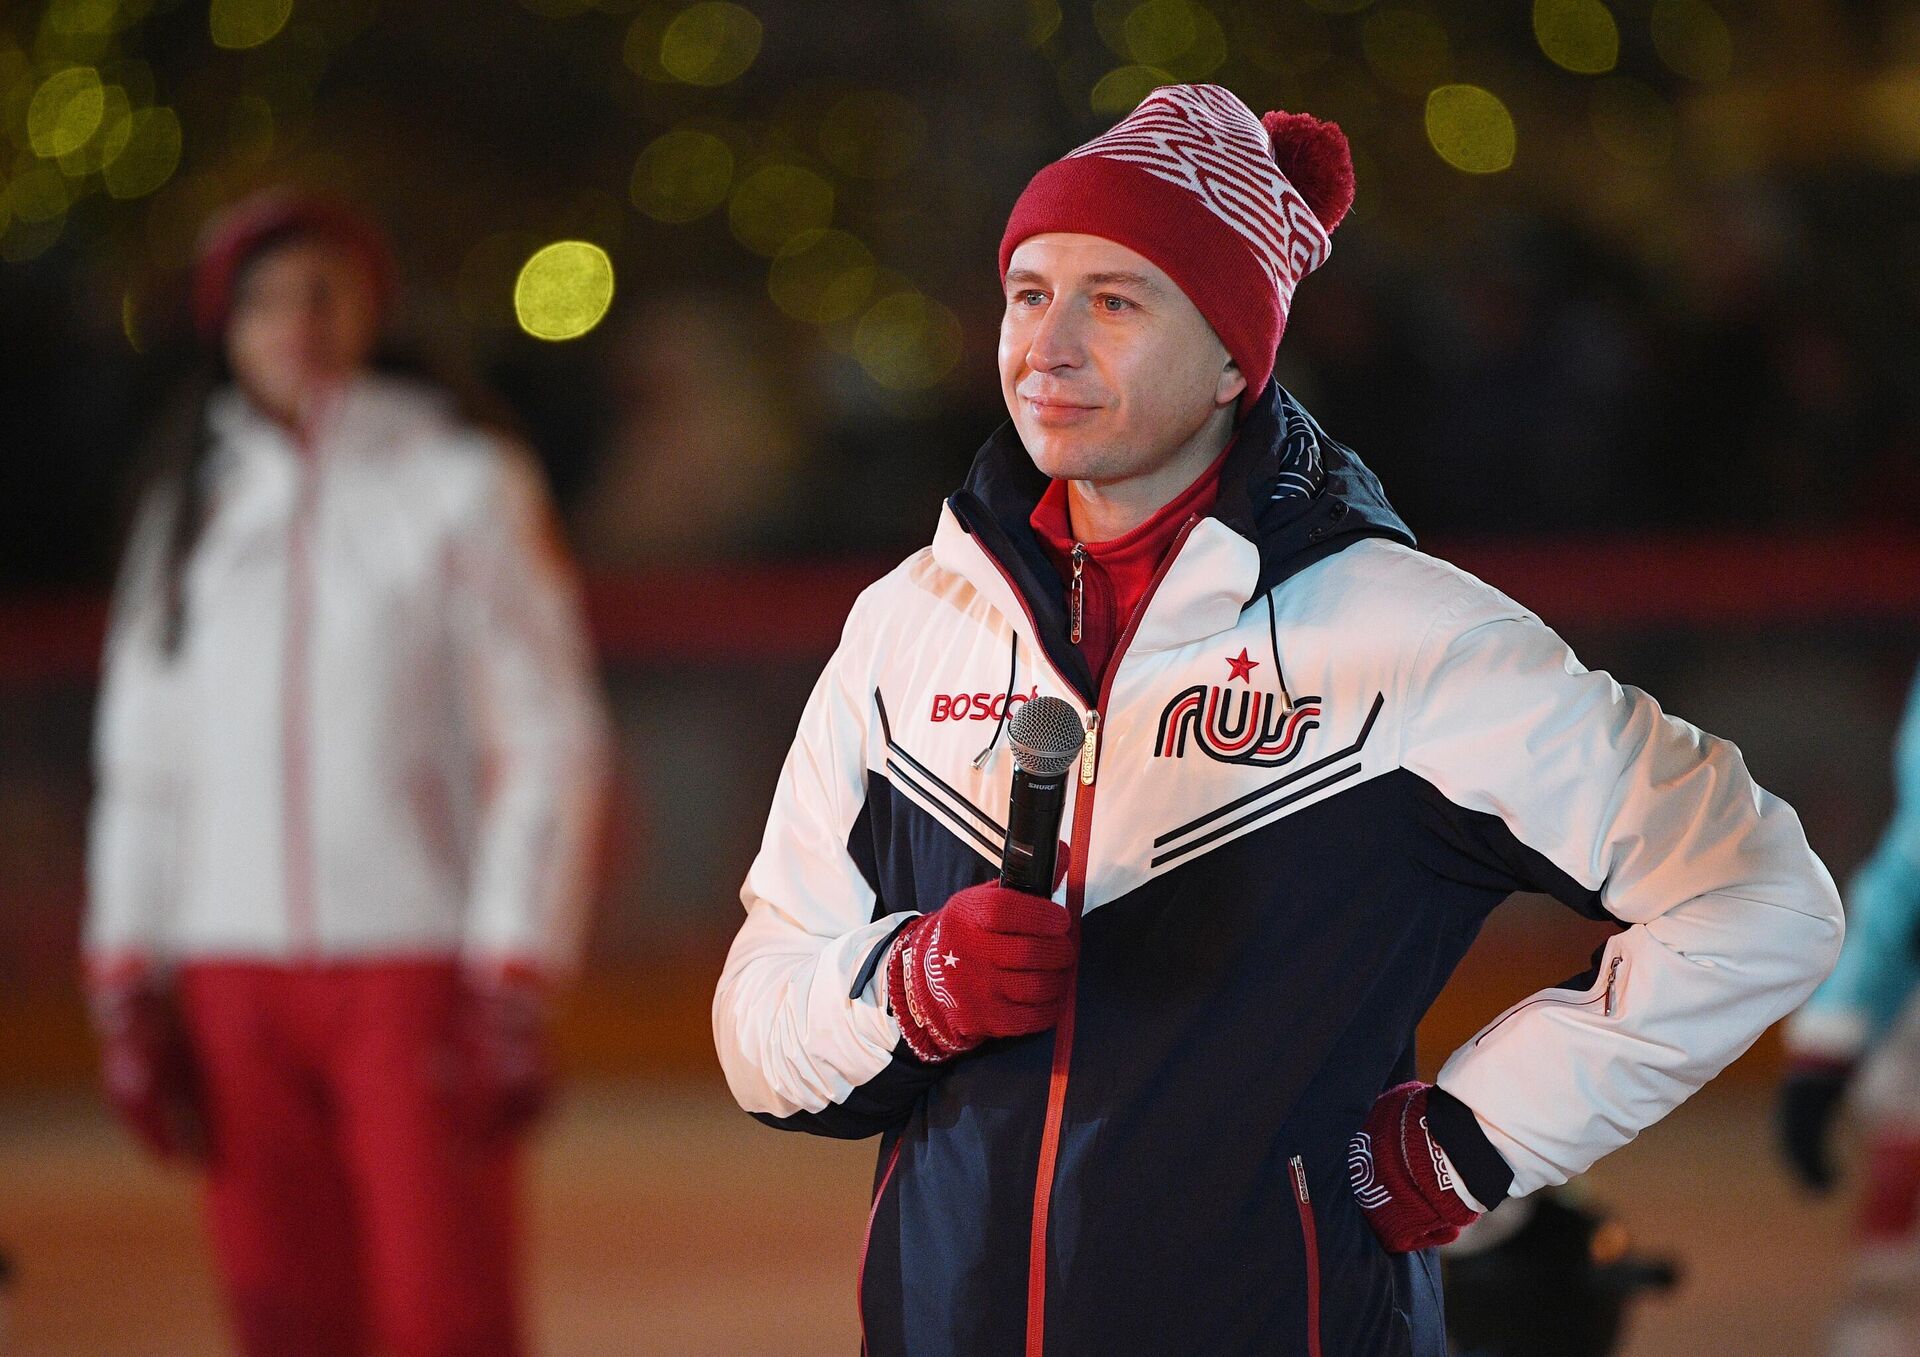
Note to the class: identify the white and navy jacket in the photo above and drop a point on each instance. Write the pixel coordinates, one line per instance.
(1275, 865)
(381, 735)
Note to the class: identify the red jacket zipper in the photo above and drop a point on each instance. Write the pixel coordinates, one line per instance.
(1310, 1241)
(295, 712)
(1076, 899)
(866, 1241)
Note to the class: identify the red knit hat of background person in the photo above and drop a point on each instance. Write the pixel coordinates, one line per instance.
(1236, 209)
(231, 240)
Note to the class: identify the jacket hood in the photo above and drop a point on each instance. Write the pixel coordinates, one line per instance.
(1287, 487)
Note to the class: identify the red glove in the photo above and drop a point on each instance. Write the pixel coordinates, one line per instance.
(146, 1065)
(991, 962)
(1400, 1175)
(504, 1032)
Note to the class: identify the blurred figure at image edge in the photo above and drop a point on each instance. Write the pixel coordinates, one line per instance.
(350, 751)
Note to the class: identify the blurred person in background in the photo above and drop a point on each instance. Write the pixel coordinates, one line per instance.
(706, 452)
(349, 752)
(1858, 1041)
(1181, 1113)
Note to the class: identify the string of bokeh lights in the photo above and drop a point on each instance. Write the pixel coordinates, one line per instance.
(84, 118)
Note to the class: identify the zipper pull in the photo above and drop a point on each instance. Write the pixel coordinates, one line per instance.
(1613, 969)
(1089, 751)
(1299, 1178)
(1077, 593)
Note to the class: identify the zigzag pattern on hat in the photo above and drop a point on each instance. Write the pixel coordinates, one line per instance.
(1203, 139)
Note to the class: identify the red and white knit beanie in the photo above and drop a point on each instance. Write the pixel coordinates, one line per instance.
(235, 236)
(1236, 209)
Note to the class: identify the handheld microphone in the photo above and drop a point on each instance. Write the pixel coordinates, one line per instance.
(1046, 735)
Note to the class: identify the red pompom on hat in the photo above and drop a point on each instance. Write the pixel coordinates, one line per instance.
(1235, 209)
(1314, 157)
(231, 240)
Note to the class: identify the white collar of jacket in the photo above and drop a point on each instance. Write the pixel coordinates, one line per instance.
(372, 412)
(1206, 587)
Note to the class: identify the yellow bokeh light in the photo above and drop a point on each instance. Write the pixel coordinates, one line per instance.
(822, 276)
(1157, 31)
(907, 342)
(1121, 89)
(564, 290)
(640, 50)
(65, 112)
(711, 43)
(872, 134)
(1174, 35)
(150, 156)
(1470, 129)
(116, 127)
(1579, 35)
(37, 194)
(1692, 39)
(1632, 123)
(1407, 48)
(1043, 21)
(681, 176)
(239, 24)
(84, 17)
(130, 322)
(776, 203)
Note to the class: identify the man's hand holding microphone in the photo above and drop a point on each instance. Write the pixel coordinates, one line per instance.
(997, 960)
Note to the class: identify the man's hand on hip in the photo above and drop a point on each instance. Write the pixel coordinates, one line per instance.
(1403, 1179)
(992, 962)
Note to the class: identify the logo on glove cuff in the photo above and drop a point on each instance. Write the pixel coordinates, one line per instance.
(1442, 1166)
(1367, 1186)
(934, 966)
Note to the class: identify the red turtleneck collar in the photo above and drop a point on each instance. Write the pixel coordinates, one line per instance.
(1114, 575)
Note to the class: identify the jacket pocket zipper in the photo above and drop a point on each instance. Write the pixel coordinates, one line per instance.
(1310, 1242)
(1605, 998)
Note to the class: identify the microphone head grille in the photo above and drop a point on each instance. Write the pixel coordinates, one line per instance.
(1046, 735)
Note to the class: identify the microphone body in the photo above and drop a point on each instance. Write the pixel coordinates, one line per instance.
(1033, 831)
(1045, 733)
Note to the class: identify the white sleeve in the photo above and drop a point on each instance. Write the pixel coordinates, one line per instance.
(791, 1035)
(540, 724)
(139, 772)
(1732, 919)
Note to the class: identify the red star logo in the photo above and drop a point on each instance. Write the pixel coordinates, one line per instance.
(1242, 667)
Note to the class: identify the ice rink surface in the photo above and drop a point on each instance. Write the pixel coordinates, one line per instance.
(666, 1222)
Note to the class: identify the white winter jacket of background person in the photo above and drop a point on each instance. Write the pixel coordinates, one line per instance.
(382, 734)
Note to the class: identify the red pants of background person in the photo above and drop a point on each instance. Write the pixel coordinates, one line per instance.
(352, 1202)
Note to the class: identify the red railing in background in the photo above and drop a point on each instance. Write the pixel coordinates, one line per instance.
(744, 613)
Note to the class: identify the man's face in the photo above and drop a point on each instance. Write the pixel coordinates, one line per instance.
(305, 318)
(1107, 369)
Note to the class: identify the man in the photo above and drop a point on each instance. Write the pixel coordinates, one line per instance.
(1175, 1112)
(1863, 1027)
